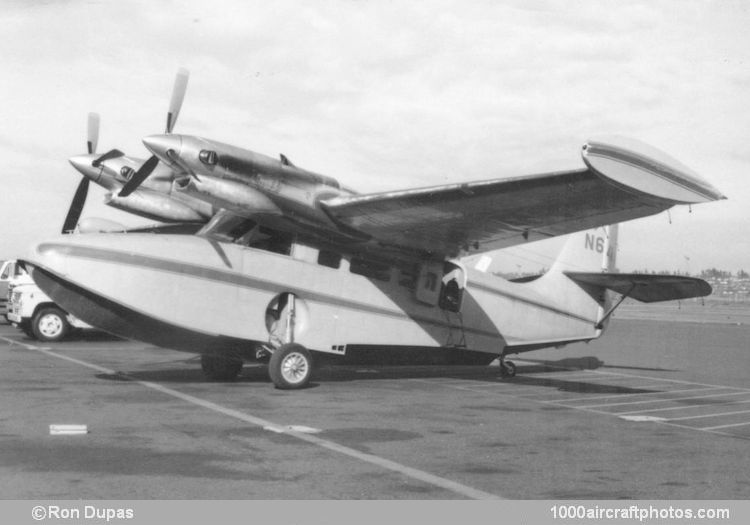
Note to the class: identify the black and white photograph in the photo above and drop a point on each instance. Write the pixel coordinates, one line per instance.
(375, 250)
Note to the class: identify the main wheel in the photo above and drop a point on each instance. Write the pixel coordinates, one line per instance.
(50, 324)
(290, 366)
(220, 368)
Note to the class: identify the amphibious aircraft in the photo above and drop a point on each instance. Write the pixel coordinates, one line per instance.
(156, 199)
(296, 266)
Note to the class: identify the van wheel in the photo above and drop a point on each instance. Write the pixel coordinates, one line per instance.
(26, 329)
(50, 324)
(290, 366)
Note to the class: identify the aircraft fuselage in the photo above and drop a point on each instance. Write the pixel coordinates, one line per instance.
(198, 295)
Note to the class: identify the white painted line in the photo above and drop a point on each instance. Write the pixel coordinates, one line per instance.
(726, 426)
(618, 396)
(640, 419)
(678, 381)
(562, 404)
(14, 342)
(710, 415)
(293, 428)
(677, 408)
(387, 464)
(663, 400)
(68, 430)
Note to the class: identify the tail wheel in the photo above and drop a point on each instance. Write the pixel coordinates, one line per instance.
(290, 366)
(50, 324)
(220, 368)
(508, 369)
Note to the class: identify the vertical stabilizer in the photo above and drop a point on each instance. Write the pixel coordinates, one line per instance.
(588, 251)
(593, 251)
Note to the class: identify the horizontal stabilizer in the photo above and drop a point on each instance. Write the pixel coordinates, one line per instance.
(646, 288)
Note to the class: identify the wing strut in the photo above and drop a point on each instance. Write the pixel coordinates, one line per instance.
(600, 324)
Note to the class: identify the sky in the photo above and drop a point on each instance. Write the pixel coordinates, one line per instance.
(387, 95)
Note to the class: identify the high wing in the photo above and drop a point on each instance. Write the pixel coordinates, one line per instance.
(623, 181)
(646, 288)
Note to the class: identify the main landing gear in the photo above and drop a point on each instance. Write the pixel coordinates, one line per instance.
(507, 368)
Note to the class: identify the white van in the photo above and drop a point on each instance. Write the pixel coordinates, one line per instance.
(31, 310)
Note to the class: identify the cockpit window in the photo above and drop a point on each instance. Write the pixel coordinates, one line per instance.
(208, 157)
(127, 172)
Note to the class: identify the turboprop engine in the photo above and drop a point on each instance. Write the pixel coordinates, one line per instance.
(222, 193)
(152, 205)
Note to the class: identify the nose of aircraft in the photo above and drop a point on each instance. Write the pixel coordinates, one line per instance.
(166, 147)
(83, 164)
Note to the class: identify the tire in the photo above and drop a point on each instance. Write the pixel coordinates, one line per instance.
(509, 370)
(50, 324)
(220, 368)
(290, 367)
(25, 327)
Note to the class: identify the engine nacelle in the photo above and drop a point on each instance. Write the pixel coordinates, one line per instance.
(154, 206)
(234, 196)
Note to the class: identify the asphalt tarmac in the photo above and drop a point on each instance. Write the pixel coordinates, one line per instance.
(656, 409)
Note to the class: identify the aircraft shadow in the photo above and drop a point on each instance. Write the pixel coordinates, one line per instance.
(590, 363)
(257, 374)
(252, 374)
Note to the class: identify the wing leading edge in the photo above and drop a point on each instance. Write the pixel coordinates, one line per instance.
(621, 182)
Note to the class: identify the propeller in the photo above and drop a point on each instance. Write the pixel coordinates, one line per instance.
(79, 199)
(175, 103)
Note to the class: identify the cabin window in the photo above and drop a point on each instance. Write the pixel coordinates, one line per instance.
(329, 259)
(381, 272)
(127, 172)
(255, 236)
(273, 241)
(208, 157)
(6, 272)
(408, 278)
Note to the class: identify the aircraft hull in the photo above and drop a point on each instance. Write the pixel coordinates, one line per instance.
(193, 294)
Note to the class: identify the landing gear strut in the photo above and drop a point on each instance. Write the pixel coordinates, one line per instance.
(507, 368)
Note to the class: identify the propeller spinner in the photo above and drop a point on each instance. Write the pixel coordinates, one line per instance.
(79, 199)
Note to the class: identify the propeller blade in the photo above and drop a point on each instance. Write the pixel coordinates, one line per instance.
(111, 154)
(92, 132)
(139, 176)
(178, 95)
(76, 206)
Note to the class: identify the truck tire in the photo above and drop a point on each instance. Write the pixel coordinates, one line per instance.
(50, 324)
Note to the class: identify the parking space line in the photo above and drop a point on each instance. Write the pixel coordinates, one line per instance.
(677, 408)
(710, 415)
(726, 426)
(426, 477)
(618, 396)
(678, 381)
(637, 402)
